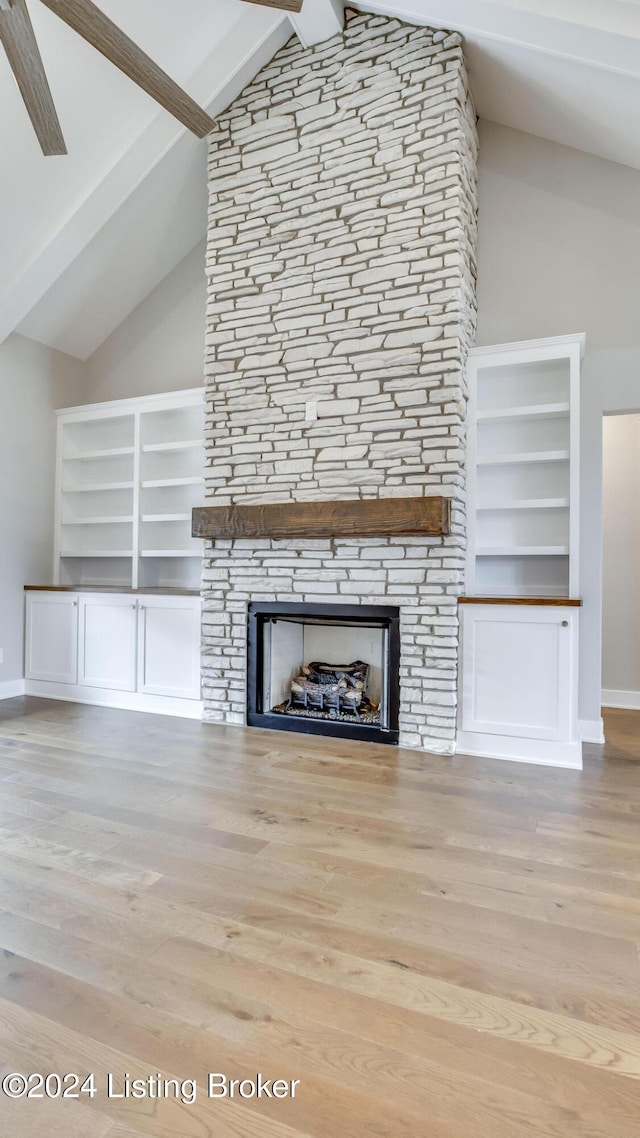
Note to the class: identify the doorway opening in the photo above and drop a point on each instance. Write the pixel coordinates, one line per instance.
(621, 567)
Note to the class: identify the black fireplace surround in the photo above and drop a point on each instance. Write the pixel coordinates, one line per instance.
(262, 616)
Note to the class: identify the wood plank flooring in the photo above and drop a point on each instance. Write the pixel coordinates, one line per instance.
(435, 948)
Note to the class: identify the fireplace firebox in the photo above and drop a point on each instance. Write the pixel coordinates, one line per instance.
(324, 669)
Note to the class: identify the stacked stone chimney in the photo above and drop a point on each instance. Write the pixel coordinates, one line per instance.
(341, 268)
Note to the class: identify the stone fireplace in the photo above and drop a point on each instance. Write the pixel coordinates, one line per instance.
(341, 267)
(350, 659)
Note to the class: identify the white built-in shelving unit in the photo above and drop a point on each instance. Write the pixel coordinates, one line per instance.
(128, 476)
(523, 469)
(518, 694)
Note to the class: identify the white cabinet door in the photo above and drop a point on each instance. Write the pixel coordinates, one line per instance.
(107, 641)
(169, 646)
(518, 667)
(52, 637)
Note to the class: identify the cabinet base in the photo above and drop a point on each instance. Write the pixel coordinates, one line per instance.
(520, 750)
(124, 700)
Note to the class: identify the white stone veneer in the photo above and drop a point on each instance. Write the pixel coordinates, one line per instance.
(341, 265)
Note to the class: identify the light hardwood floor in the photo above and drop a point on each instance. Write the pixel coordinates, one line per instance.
(436, 948)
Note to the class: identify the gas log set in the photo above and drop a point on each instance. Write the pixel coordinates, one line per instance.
(335, 691)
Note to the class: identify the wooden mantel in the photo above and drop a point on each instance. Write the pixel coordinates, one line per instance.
(363, 517)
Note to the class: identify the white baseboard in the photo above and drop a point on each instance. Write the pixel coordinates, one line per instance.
(591, 731)
(125, 701)
(9, 689)
(630, 700)
(516, 749)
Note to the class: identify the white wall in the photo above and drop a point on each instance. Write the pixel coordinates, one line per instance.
(621, 561)
(160, 346)
(559, 252)
(33, 381)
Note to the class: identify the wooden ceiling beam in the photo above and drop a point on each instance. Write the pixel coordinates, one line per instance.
(283, 5)
(90, 22)
(19, 41)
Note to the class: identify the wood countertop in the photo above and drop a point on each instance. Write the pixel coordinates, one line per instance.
(156, 591)
(558, 602)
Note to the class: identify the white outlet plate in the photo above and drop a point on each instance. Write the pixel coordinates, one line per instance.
(311, 411)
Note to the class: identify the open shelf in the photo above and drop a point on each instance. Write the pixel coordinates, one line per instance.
(153, 483)
(523, 551)
(159, 448)
(552, 592)
(504, 384)
(99, 553)
(96, 487)
(171, 552)
(98, 521)
(98, 472)
(90, 456)
(527, 457)
(105, 520)
(97, 436)
(525, 575)
(163, 427)
(534, 411)
(525, 504)
(167, 571)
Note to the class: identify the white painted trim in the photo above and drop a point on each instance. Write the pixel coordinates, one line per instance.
(624, 699)
(116, 407)
(591, 731)
(125, 701)
(576, 354)
(471, 476)
(137, 497)
(57, 523)
(9, 689)
(540, 752)
(556, 345)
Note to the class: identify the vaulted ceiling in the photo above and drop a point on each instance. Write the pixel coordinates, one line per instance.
(84, 238)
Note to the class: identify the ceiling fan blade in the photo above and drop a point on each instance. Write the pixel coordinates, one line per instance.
(97, 29)
(19, 41)
(285, 5)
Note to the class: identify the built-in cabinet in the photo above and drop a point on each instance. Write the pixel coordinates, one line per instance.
(518, 695)
(107, 641)
(120, 624)
(140, 652)
(519, 691)
(129, 473)
(51, 641)
(169, 647)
